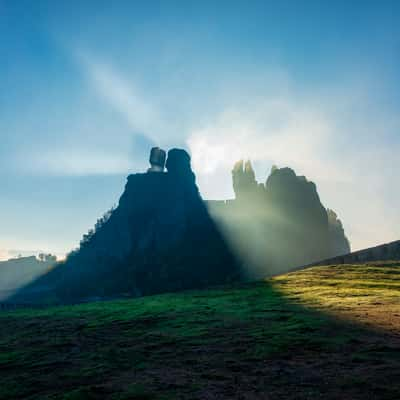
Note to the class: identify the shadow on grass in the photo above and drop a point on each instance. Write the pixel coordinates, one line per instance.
(247, 341)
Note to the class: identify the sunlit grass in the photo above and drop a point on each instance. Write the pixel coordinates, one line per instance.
(364, 293)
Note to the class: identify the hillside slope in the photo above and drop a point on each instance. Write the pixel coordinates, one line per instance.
(324, 332)
(18, 272)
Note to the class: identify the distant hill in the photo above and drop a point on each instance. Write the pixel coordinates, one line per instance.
(19, 272)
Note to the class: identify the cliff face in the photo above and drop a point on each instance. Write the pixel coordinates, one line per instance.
(280, 224)
(159, 238)
(339, 244)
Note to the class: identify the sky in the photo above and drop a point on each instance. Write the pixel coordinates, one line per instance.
(88, 87)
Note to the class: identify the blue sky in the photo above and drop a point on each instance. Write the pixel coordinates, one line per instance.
(87, 87)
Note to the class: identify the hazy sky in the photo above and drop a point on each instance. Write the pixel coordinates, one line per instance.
(87, 87)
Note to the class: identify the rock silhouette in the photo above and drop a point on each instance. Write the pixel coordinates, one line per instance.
(279, 224)
(159, 238)
(163, 237)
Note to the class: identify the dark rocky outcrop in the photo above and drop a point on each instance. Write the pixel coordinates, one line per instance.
(160, 238)
(339, 244)
(278, 224)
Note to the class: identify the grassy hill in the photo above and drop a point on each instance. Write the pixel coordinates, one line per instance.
(324, 332)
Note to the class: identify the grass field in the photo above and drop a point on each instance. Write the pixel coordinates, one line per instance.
(324, 332)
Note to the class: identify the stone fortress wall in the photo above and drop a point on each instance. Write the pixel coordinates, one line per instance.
(384, 252)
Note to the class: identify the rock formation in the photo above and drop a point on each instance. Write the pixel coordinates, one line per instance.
(160, 238)
(157, 160)
(279, 224)
(339, 244)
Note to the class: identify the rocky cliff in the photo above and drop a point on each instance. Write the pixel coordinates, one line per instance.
(279, 224)
(160, 238)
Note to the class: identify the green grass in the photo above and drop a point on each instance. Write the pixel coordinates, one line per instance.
(329, 332)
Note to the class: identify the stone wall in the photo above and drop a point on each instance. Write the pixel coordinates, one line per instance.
(384, 252)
